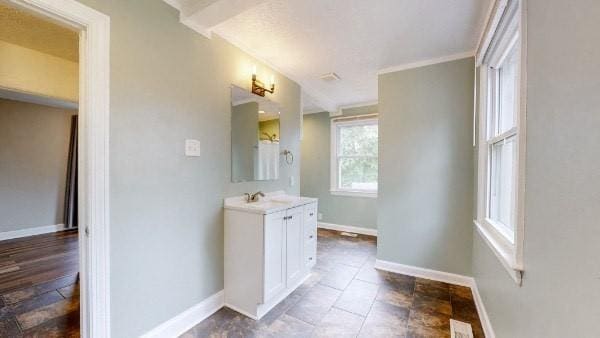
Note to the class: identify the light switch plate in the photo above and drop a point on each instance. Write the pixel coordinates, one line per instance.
(192, 148)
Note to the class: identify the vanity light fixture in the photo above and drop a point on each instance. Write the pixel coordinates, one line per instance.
(259, 88)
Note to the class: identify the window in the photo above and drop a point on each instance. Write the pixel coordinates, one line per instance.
(501, 138)
(354, 156)
(501, 141)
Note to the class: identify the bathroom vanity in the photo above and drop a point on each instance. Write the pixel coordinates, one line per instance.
(270, 247)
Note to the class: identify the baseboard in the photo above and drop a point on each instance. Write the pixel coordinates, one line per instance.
(348, 228)
(46, 229)
(446, 277)
(415, 271)
(184, 321)
(483, 316)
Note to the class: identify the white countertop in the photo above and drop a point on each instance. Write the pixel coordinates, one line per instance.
(272, 202)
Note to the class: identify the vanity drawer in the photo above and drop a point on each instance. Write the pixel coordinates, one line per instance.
(310, 234)
(310, 212)
(310, 222)
(310, 253)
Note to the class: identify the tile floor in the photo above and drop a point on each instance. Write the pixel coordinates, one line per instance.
(346, 297)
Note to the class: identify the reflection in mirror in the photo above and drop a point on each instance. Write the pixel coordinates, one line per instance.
(254, 137)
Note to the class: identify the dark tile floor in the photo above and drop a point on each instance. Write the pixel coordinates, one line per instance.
(346, 297)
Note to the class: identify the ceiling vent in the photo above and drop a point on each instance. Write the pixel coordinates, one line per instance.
(330, 77)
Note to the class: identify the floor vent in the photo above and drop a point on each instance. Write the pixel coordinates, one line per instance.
(460, 329)
(348, 234)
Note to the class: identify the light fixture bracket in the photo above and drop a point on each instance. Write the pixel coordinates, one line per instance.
(259, 88)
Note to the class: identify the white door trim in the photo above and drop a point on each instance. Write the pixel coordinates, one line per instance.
(94, 69)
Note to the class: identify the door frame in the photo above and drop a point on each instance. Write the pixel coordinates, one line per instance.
(93, 190)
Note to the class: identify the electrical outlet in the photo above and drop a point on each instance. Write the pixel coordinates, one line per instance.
(292, 181)
(319, 216)
(192, 148)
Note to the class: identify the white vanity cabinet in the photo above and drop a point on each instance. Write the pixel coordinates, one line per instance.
(270, 248)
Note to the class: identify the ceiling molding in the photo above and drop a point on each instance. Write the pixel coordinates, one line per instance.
(293, 51)
(313, 111)
(428, 62)
(341, 109)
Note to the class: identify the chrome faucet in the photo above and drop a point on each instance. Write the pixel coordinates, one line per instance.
(254, 197)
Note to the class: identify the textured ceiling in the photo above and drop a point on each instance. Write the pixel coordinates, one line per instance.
(353, 38)
(29, 31)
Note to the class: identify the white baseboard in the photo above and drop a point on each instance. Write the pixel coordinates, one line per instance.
(415, 271)
(184, 321)
(446, 277)
(46, 229)
(348, 228)
(483, 316)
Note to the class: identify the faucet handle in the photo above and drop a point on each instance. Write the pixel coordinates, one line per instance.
(255, 197)
(248, 197)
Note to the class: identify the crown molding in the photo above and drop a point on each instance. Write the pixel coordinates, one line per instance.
(426, 62)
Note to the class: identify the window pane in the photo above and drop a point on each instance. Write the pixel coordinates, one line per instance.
(358, 140)
(508, 88)
(358, 173)
(502, 174)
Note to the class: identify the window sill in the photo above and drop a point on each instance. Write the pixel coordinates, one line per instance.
(350, 193)
(505, 253)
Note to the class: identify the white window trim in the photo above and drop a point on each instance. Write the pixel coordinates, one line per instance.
(334, 189)
(509, 253)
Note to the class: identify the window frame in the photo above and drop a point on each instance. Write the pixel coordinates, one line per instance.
(508, 34)
(335, 189)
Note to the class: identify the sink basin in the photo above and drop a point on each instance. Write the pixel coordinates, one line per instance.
(285, 199)
(268, 204)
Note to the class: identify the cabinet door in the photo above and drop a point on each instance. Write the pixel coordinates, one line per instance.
(274, 246)
(294, 244)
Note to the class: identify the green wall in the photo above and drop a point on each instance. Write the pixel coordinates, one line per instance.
(169, 83)
(425, 201)
(560, 292)
(315, 174)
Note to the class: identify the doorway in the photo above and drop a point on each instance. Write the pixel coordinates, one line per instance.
(93, 29)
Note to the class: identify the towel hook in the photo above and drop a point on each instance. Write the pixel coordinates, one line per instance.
(289, 157)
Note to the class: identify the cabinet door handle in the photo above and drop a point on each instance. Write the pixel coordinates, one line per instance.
(311, 236)
(310, 258)
(311, 214)
(290, 217)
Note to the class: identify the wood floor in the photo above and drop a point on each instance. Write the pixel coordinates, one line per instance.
(346, 297)
(39, 289)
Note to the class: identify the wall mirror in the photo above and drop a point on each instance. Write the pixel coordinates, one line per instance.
(254, 137)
